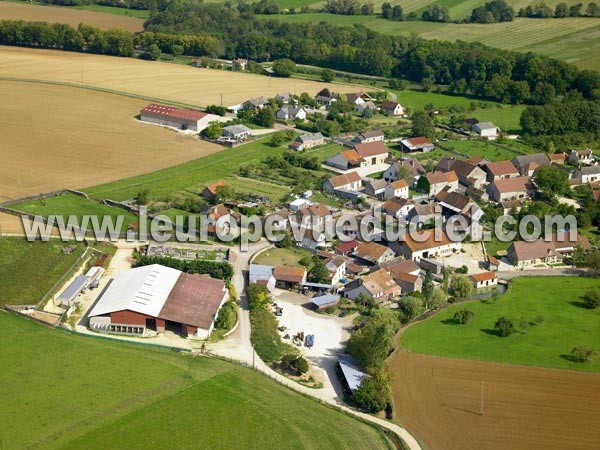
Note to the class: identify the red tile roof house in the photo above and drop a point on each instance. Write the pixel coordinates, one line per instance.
(373, 152)
(500, 170)
(436, 181)
(484, 279)
(397, 207)
(397, 189)
(344, 248)
(511, 189)
(315, 214)
(373, 253)
(378, 285)
(289, 277)
(179, 118)
(406, 274)
(217, 216)
(417, 144)
(349, 181)
(523, 254)
(415, 167)
(211, 190)
(430, 244)
(347, 160)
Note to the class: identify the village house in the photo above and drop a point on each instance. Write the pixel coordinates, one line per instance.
(373, 253)
(375, 188)
(416, 144)
(336, 265)
(408, 282)
(260, 274)
(290, 112)
(378, 286)
(289, 277)
(314, 215)
(412, 164)
(486, 129)
(361, 107)
(424, 213)
(255, 103)
(313, 239)
(397, 207)
(588, 174)
(511, 207)
(237, 133)
(239, 65)
(396, 189)
(346, 160)
(454, 203)
(523, 254)
(440, 180)
(286, 98)
(211, 190)
(526, 164)
(325, 100)
(511, 189)
(392, 108)
(345, 248)
(500, 170)
(400, 264)
(308, 140)
(349, 181)
(581, 157)
(558, 158)
(358, 98)
(218, 218)
(430, 243)
(469, 175)
(484, 279)
(478, 160)
(373, 152)
(369, 136)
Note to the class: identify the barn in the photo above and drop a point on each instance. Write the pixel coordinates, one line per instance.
(158, 298)
(182, 119)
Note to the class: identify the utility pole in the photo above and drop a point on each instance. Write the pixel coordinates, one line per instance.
(82, 74)
(481, 398)
(221, 99)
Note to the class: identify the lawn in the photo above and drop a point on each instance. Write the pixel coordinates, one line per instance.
(74, 205)
(493, 246)
(282, 257)
(28, 270)
(62, 390)
(275, 192)
(508, 118)
(566, 324)
(481, 148)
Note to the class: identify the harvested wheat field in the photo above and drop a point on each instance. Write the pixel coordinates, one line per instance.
(439, 400)
(178, 83)
(73, 17)
(56, 137)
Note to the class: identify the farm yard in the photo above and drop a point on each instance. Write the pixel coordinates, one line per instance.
(97, 18)
(565, 324)
(194, 86)
(124, 405)
(439, 399)
(87, 138)
(29, 269)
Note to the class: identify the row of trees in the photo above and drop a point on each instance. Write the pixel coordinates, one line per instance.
(492, 12)
(151, 5)
(563, 118)
(562, 10)
(215, 269)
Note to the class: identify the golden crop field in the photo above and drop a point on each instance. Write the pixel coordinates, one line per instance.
(56, 137)
(73, 17)
(179, 83)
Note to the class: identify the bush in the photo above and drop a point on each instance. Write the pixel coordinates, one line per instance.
(464, 316)
(227, 316)
(215, 269)
(295, 363)
(581, 353)
(284, 67)
(264, 336)
(504, 326)
(374, 393)
(591, 299)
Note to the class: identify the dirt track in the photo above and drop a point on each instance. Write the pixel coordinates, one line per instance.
(438, 399)
(73, 17)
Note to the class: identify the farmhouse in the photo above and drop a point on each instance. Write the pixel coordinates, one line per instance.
(289, 277)
(417, 144)
(523, 254)
(361, 107)
(558, 158)
(308, 140)
(158, 298)
(313, 215)
(238, 133)
(325, 100)
(373, 253)
(581, 157)
(346, 160)
(424, 213)
(260, 274)
(211, 190)
(285, 98)
(412, 164)
(350, 181)
(430, 244)
(397, 207)
(182, 119)
(369, 136)
(396, 189)
(345, 248)
(511, 189)
(239, 64)
(526, 164)
(486, 129)
(588, 174)
(378, 285)
(484, 279)
(289, 112)
(454, 203)
(468, 174)
(358, 98)
(373, 152)
(392, 108)
(375, 188)
(255, 103)
(500, 170)
(438, 181)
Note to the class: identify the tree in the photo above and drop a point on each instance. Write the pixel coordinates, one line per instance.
(327, 75)
(366, 9)
(177, 50)
(581, 353)
(461, 286)
(223, 193)
(591, 298)
(464, 316)
(593, 262)
(561, 10)
(437, 299)
(386, 11)
(154, 52)
(295, 363)
(411, 307)
(373, 394)
(319, 272)
(423, 185)
(142, 197)
(551, 179)
(372, 343)
(279, 138)
(504, 326)
(212, 131)
(286, 242)
(427, 288)
(226, 317)
(265, 117)
(284, 67)
(427, 84)
(397, 13)
(422, 124)
(592, 10)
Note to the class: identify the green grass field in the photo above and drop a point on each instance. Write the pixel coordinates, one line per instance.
(67, 391)
(566, 324)
(275, 192)
(574, 40)
(29, 269)
(139, 13)
(70, 204)
(282, 257)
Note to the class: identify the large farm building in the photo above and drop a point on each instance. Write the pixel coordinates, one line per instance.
(158, 298)
(182, 119)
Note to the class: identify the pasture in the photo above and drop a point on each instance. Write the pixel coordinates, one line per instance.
(282, 257)
(170, 82)
(439, 400)
(58, 137)
(29, 269)
(548, 344)
(95, 16)
(63, 390)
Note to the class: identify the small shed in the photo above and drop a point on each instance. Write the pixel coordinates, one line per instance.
(322, 302)
(351, 371)
(69, 296)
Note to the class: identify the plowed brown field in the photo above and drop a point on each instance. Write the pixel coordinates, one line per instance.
(528, 408)
(73, 17)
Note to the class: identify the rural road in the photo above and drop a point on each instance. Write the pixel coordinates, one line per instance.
(238, 346)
